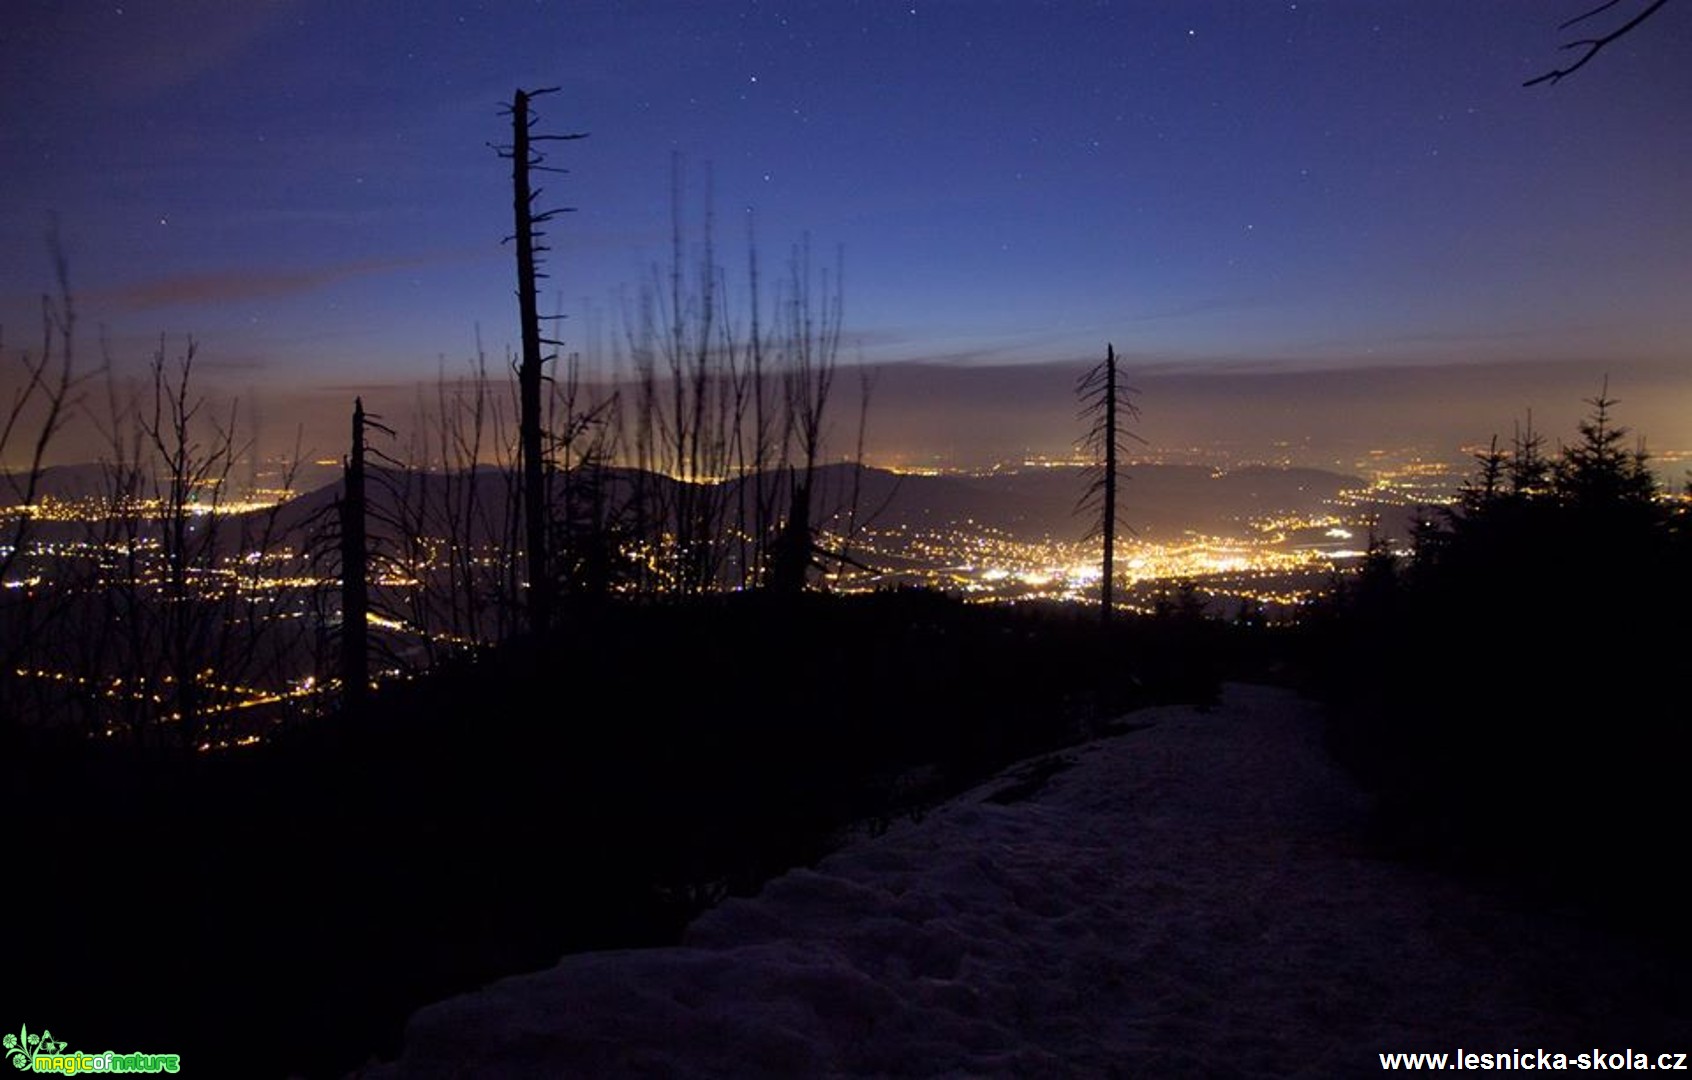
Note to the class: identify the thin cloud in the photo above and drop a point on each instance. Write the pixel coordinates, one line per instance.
(233, 285)
(193, 290)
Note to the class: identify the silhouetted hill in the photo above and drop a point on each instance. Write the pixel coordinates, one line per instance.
(56, 482)
(1159, 501)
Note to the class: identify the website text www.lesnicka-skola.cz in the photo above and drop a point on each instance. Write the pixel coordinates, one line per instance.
(1594, 1060)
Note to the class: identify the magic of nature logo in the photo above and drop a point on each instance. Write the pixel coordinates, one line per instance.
(41, 1053)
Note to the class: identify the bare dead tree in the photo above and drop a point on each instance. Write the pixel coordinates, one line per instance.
(761, 421)
(1107, 403)
(723, 418)
(263, 547)
(1591, 46)
(121, 636)
(528, 236)
(166, 609)
(189, 601)
(586, 524)
(689, 403)
(190, 466)
(41, 402)
(810, 342)
(355, 565)
(448, 541)
(853, 523)
(700, 354)
(44, 397)
(814, 312)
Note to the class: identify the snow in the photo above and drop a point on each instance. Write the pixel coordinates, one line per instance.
(1189, 898)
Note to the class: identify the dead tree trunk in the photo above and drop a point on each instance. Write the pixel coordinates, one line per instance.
(1106, 402)
(530, 435)
(355, 584)
(1107, 583)
(529, 374)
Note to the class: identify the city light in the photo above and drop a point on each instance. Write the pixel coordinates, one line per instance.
(1276, 561)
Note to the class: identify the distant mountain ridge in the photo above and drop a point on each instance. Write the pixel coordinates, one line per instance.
(1159, 502)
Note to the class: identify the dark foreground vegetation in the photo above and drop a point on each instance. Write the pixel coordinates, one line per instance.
(285, 907)
(1515, 690)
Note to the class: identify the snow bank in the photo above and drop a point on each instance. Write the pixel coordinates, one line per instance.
(1190, 898)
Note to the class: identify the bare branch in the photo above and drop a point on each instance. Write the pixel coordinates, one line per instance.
(1605, 6)
(1593, 46)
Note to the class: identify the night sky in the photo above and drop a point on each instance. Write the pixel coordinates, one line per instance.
(1228, 189)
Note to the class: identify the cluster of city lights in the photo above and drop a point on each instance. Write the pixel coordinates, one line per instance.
(1277, 561)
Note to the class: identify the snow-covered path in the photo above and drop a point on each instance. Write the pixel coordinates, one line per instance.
(1187, 899)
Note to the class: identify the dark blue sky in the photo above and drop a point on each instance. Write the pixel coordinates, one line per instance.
(307, 186)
